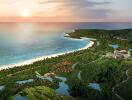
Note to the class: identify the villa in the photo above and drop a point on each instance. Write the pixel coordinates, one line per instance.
(122, 54)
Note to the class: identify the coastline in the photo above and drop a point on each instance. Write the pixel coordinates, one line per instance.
(28, 62)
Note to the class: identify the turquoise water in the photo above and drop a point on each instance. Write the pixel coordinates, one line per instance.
(24, 41)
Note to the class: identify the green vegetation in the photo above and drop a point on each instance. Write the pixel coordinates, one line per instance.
(40, 93)
(100, 33)
(93, 63)
(125, 89)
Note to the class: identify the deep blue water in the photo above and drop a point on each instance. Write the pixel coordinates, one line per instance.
(23, 41)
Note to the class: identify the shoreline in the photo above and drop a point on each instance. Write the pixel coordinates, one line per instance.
(31, 61)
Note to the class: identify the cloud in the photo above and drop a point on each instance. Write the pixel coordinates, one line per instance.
(61, 9)
(75, 3)
(80, 8)
(93, 13)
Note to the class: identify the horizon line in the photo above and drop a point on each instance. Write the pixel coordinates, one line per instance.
(66, 22)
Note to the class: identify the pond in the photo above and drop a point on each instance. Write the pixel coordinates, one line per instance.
(114, 46)
(45, 78)
(63, 87)
(19, 97)
(2, 87)
(79, 75)
(130, 49)
(95, 86)
(25, 81)
(98, 43)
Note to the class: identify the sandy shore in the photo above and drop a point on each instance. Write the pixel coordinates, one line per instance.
(90, 44)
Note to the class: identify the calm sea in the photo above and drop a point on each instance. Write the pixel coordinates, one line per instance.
(23, 41)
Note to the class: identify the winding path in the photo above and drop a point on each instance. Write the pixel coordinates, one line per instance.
(113, 89)
(73, 67)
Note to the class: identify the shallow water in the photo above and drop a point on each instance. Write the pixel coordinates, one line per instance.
(24, 41)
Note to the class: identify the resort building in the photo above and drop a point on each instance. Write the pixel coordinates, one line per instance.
(122, 54)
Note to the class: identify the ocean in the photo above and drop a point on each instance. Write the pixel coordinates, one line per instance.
(24, 41)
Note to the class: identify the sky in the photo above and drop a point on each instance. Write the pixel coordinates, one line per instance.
(65, 11)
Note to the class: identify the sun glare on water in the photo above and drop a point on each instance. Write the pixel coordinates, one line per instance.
(25, 14)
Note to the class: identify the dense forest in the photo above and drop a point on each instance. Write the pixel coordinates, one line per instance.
(99, 33)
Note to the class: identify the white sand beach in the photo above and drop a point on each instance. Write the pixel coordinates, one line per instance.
(89, 45)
